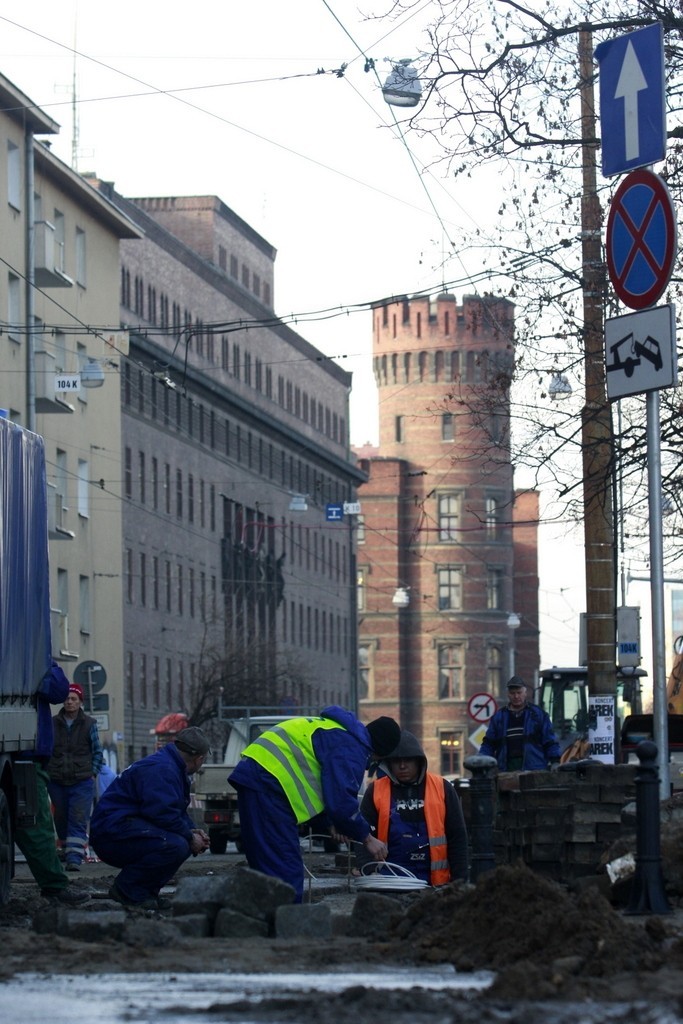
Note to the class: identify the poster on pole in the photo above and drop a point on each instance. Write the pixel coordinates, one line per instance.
(601, 717)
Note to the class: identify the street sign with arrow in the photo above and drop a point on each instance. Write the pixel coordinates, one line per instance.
(632, 109)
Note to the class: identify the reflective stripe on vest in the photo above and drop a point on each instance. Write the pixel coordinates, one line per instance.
(286, 751)
(435, 819)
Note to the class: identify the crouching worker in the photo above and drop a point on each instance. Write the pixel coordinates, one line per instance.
(418, 815)
(295, 771)
(141, 824)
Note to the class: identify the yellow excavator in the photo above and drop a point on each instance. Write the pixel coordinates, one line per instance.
(674, 686)
(640, 727)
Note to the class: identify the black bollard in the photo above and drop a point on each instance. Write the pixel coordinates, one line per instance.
(483, 769)
(647, 890)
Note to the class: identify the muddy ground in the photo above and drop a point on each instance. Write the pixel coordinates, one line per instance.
(543, 942)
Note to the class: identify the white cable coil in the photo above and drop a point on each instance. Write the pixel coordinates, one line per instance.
(398, 878)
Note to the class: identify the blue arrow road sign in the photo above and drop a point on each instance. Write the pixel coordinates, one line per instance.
(632, 111)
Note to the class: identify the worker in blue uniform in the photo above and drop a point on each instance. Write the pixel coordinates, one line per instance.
(298, 769)
(141, 824)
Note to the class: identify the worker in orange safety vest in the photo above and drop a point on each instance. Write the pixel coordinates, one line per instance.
(418, 815)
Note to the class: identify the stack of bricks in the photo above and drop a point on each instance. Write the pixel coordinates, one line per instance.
(561, 823)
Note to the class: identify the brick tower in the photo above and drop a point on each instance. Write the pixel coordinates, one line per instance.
(446, 550)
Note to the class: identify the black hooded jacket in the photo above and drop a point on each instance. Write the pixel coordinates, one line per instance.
(411, 801)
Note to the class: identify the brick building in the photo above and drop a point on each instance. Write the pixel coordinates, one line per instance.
(447, 550)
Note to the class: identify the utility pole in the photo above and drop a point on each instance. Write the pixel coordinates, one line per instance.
(597, 441)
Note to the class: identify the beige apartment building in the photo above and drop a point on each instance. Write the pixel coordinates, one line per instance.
(59, 241)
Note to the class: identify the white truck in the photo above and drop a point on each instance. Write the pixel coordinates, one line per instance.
(25, 641)
(211, 787)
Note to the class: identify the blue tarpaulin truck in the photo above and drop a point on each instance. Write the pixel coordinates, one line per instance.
(25, 643)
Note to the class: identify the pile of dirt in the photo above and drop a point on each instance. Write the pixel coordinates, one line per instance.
(534, 933)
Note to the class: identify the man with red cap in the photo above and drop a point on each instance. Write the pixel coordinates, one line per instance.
(77, 758)
(301, 768)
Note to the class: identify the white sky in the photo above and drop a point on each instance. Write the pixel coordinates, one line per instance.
(183, 99)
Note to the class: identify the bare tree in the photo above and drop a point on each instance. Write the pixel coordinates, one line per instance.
(502, 89)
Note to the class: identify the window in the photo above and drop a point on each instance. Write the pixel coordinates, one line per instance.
(13, 307)
(84, 604)
(128, 473)
(179, 493)
(141, 476)
(450, 588)
(143, 579)
(143, 680)
(82, 362)
(399, 433)
(155, 482)
(447, 427)
(494, 668)
(129, 575)
(449, 515)
(361, 588)
(366, 670)
(451, 744)
(492, 516)
(60, 351)
(494, 587)
(83, 505)
(360, 529)
(81, 258)
(59, 239)
(13, 175)
(450, 659)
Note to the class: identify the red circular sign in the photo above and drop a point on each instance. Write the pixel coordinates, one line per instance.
(641, 239)
(481, 707)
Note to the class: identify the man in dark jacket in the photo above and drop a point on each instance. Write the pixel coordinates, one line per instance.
(37, 841)
(418, 815)
(76, 759)
(297, 770)
(521, 736)
(141, 824)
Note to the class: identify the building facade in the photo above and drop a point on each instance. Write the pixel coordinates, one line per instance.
(447, 551)
(235, 442)
(59, 284)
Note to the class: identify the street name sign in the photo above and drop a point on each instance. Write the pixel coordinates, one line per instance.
(632, 110)
(641, 239)
(334, 513)
(640, 352)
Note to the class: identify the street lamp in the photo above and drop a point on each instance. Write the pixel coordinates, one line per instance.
(401, 598)
(402, 87)
(513, 623)
(559, 386)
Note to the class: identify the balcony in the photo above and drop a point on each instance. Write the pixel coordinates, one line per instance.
(56, 515)
(48, 257)
(46, 398)
(59, 622)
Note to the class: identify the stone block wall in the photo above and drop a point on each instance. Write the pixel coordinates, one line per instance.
(561, 823)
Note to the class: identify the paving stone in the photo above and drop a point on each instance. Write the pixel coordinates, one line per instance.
(230, 924)
(303, 921)
(193, 926)
(373, 913)
(205, 893)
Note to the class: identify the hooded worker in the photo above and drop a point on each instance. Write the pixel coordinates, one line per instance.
(418, 815)
(298, 769)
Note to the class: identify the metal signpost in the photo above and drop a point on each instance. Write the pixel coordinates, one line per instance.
(640, 349)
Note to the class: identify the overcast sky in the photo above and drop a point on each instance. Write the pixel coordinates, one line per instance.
(226, 98)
